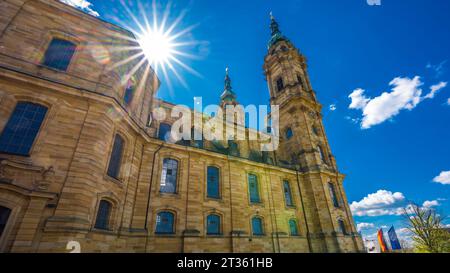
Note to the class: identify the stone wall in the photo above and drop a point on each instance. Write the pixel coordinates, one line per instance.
(54, 193)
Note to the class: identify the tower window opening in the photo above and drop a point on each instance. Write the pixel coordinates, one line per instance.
(280, 84)
(289, 133)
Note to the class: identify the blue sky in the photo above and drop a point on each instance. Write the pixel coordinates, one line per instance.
(350, 45)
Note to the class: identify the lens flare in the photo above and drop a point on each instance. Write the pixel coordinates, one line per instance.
(159, 45)
(156, 46)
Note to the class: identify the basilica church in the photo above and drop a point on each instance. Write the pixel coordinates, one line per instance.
(84, 163)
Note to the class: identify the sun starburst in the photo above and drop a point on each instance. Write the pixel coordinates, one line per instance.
(158, 44)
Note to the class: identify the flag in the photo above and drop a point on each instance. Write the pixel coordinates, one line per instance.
(381, 241)
(395, 243)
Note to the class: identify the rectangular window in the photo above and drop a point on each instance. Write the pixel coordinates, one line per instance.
(253, 188)
(22, 128)
(116, 158)
(287, 194)
(213, 182)
(59, 54)
(169, 176)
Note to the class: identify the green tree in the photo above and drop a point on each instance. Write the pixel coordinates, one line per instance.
(426, 226)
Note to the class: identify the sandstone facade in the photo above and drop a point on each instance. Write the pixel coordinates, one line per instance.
(52, 195)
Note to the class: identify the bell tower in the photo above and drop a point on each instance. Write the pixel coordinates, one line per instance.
(304, 145)
(302, 137)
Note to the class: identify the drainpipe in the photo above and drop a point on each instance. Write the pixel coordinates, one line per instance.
(304, 213)
(187, 202)
(231, 207)
(149, 193)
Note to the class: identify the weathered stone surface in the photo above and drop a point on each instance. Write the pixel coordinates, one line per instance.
(54, 193)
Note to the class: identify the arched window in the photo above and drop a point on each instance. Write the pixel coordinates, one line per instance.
(257, 226)
(22, 128)
(293, 227)
(333, 195)
(103, 215)
(169, 176)
(213, 182)
(116, 157)
(280, 84)
(213, 224)
(164, 131)
(253, 188)
(299, 80)
(315, 130)
(165, 223)
(129, 92)
(321, 153)
(289, 133)
(342, 229)
(59, 54)
(4, 216)
(287, 193)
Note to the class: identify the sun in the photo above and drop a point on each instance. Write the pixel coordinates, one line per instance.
(157, 46)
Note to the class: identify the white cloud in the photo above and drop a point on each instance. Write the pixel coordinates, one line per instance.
(361, 226)
(429, 204)
(448, 101)
(405, 94)
(83, 5)
(333, 107)
(359, 101)
(382, 202)
(443, 178)
(434, 89)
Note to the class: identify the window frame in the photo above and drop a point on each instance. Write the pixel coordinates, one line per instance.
(291, 196)
(219, 182)
(219, 217)
(118, 177)
(288, 133)
(322, 154)
(263, 229)
(176, 186)
(46, 49)
(4, 229)
(295, 221)
(131, 85)
(258, 189)
(174, 220)
(159, 130)
(333, 195)
(39, 131)
(109, 218)
(342, 227)
(279, 84)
